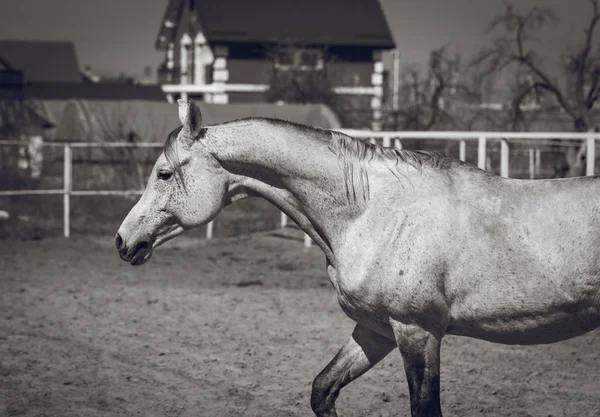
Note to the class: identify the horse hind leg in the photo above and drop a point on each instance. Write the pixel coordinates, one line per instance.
(420, 351)
(360, 353)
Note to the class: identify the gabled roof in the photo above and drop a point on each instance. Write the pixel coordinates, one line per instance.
(168, 26)
(87, 91)
(41, 61)
(323, 22)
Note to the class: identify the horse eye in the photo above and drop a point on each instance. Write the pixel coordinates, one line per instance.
(164, 175)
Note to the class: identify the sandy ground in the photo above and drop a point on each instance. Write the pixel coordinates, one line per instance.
(232, 327)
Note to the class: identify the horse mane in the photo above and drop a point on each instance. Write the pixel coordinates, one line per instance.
(353, 154)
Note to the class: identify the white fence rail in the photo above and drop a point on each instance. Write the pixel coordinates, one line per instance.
(216, 88)
(385, 138)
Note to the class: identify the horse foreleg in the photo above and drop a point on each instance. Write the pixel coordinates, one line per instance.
(421, 354)
(359, 354)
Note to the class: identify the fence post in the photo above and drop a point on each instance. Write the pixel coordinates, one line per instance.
(67, 184)
(307, 241)
(387, 141)
(538, 162)
(284, 220)
(504, 155)
(591, 155)
(481, 153)
(531, 164)
(462, 150)
(209, 230)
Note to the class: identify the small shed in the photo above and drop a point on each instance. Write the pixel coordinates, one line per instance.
(151, 121)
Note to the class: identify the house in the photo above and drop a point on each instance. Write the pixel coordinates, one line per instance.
(17, 115)
(41, 61)
(48, 70)
(39, 80)
(225, 51)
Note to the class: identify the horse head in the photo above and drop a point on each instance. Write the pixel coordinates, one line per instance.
(187, 188)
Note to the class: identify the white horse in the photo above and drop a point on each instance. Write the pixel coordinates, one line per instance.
(418, 245)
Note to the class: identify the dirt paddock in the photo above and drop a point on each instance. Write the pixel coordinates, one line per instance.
(232, 327)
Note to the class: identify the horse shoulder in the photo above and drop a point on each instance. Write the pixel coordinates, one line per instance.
(393, 263)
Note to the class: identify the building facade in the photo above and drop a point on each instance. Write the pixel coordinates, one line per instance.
(227, 51)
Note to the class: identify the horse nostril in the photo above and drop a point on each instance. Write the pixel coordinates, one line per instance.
(118, 242)
(142, 245)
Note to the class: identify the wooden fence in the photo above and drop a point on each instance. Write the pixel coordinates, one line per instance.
(385, 138)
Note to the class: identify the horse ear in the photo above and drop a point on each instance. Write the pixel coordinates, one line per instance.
(190, 117)
(183, 109)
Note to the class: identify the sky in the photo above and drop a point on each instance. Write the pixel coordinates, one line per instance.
(117, 36)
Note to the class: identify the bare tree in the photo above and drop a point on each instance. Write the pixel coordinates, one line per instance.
(575, 94)
(446, 95)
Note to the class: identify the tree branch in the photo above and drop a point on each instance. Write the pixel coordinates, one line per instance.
(517, 112)
(594, 90)
(434, 103)
(528, 62)
(582, 62)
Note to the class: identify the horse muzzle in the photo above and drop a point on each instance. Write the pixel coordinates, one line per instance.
(136, 255)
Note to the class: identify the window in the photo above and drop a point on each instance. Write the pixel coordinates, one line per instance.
(309, 59)
(299, 59)
(284, 60)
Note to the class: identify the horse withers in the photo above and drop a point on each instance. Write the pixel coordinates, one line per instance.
(418, 245)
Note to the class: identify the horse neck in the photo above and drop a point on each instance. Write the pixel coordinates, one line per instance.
(291, 167)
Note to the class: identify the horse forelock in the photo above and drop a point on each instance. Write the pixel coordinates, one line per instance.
(171, 153)
(354, 154)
